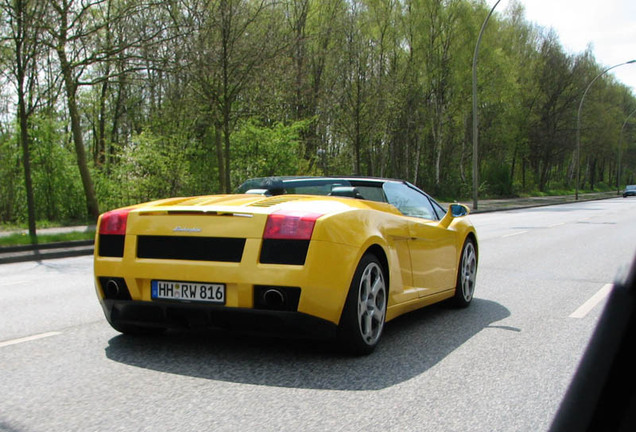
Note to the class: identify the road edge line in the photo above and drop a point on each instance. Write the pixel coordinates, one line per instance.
(28, 338)
(586, 307)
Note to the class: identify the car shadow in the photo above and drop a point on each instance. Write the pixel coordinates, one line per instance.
(411, 345)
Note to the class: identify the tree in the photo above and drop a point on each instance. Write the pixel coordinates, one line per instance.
(233, 40)
(74, 30)
(23, 17)
(189, 96)
(551, 136)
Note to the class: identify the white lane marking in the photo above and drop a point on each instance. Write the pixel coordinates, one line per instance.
(556, 225)
(586, 307)
(28, 338)
(514, 234)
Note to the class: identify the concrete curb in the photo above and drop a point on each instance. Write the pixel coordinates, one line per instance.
(519, 204)
(16, 254)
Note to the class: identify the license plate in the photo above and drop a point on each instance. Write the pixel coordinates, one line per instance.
(188, 291)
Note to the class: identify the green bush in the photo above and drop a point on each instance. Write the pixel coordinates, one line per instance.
(498, 182)
(260, 151)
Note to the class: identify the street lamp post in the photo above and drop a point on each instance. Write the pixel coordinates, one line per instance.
(578, 125)
(475, 117)
(620, 144)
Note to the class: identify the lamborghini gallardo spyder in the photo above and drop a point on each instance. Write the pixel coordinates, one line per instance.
(310, 256)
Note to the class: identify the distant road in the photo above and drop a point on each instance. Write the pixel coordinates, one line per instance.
(501, 365)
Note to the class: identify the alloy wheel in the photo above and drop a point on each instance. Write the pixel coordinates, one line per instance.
(371, 303)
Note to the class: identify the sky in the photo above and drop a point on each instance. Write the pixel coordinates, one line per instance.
(608, 26)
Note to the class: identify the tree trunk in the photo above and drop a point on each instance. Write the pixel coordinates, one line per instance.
(218, 145)
(226, 153)
(22, 59)
(78, 139)
(100, 142)
(26, 160)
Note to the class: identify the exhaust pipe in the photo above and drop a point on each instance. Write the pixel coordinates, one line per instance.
(274, 299)
(112, 289)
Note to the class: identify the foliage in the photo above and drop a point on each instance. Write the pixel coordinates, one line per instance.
(149, 168)
(261, 151)
(57, 185)
(11, 208)
(143, 100)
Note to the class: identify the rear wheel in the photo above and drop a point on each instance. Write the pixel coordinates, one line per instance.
(364, 313)
(466, 274)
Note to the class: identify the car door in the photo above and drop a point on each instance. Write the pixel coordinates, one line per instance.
(432, 247)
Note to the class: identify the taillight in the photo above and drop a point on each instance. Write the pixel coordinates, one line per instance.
(114, 222)
(290, 225)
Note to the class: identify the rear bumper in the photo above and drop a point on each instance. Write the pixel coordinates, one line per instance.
(172, 315)
(323, 280)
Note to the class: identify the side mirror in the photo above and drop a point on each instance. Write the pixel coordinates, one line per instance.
(454, 211)
(458, 210)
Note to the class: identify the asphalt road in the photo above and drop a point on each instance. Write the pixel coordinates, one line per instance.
(501, 365)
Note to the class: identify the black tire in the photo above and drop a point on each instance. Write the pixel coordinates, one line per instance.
(466, 274)
(364, 313)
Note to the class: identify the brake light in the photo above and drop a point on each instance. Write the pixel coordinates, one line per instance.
(290, 225)
(114, 222)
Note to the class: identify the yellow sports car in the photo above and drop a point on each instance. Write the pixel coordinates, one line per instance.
(315, 256)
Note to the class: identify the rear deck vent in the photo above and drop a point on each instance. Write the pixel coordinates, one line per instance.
(191, 248)
(270, 202)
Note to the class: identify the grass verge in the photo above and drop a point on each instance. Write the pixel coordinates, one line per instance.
(24, 239)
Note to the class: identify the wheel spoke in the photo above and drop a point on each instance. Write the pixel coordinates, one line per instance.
(367, 331)
(365, 288)
(378, 285)
(361, 309)
(378, 314)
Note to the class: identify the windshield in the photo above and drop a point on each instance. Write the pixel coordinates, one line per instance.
(282, 185)
(356, 188)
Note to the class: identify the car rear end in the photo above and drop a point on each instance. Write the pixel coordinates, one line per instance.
(234, 263)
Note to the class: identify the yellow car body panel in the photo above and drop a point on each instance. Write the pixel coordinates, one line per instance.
(422, 256)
